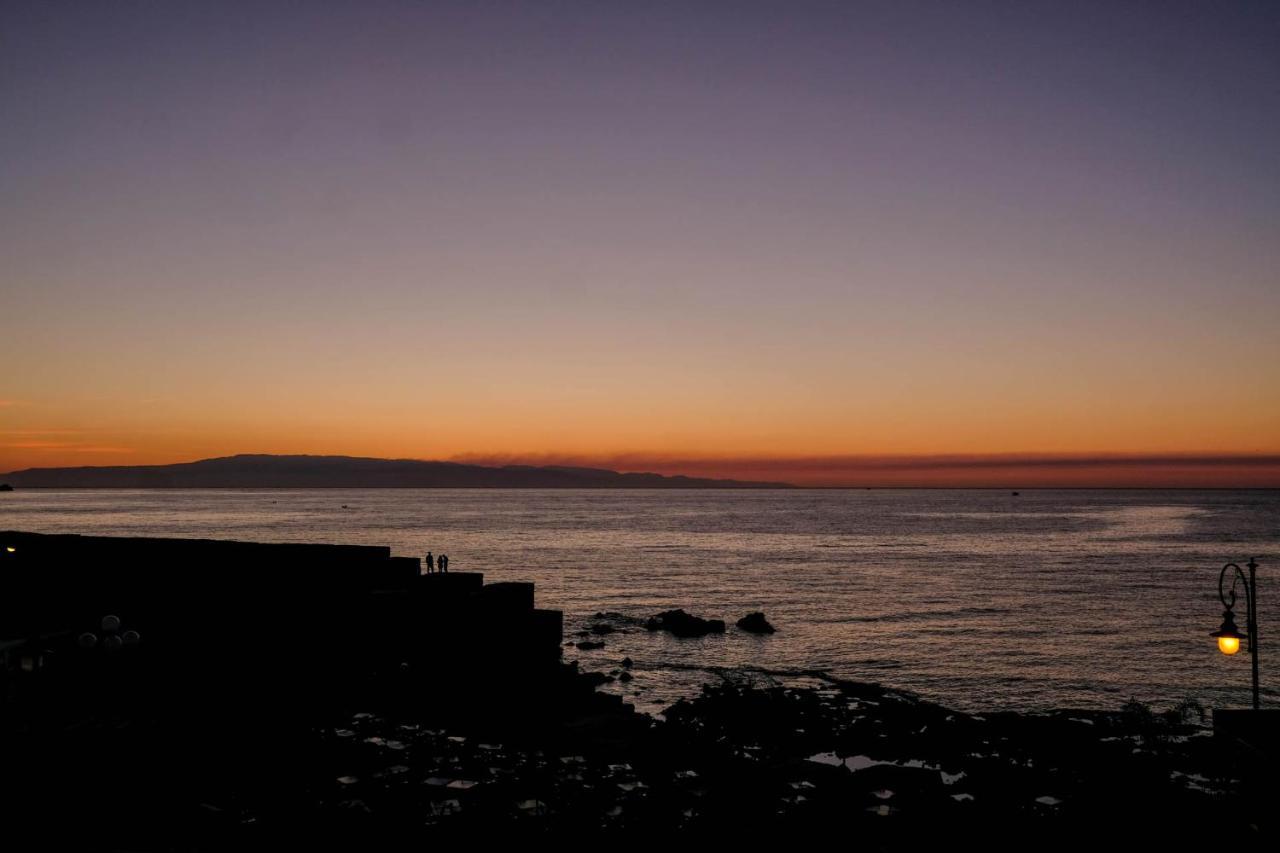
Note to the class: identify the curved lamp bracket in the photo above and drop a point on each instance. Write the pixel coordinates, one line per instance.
(1228, 595)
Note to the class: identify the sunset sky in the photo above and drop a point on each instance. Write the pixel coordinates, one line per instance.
(833, 243)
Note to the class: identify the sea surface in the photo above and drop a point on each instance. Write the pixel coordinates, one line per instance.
(979, 599)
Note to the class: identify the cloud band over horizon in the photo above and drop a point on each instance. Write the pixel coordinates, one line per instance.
(945, 470)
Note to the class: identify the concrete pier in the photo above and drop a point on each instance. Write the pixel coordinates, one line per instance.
(289, 624)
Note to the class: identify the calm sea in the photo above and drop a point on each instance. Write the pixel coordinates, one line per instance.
(978, 599)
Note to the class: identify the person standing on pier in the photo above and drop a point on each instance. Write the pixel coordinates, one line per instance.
(431, 563)
(444, 563)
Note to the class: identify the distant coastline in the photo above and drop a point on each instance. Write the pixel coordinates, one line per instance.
(352, 472)
(270, 471)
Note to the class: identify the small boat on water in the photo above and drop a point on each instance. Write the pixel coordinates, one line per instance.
(1015, 494)
(5, 487)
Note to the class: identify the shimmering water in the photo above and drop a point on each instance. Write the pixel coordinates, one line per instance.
(978, 599)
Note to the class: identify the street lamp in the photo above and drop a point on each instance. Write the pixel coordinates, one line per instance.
(1229, 635)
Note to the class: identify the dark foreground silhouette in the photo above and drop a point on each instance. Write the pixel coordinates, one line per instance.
(241, 695)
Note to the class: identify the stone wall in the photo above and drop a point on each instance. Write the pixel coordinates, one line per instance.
(261, 623)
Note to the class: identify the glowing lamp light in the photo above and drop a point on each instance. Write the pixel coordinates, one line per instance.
(11, 549)
(1228, 635)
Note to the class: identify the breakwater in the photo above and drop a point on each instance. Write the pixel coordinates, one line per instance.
(285, 624)
(144, 679)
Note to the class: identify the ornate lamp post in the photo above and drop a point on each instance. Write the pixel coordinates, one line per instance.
(1229, 635)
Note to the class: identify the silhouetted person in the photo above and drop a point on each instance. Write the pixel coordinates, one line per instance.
(431, 563)
(444, 563)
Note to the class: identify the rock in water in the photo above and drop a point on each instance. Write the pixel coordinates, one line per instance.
(682, 624)
(755, 623)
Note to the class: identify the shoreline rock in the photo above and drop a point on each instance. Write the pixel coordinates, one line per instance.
(755, 623)
(684, 625)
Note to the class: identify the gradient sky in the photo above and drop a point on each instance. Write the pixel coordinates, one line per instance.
(722, 237)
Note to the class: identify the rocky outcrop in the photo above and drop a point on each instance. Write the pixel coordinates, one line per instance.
(683, 624)
(755, 623)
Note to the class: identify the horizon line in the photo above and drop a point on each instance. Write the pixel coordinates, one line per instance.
(1111, 470)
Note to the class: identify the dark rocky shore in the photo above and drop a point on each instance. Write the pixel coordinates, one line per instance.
(439, 709)
(849, 758)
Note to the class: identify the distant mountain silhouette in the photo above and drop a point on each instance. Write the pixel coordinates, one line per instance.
(351, 472)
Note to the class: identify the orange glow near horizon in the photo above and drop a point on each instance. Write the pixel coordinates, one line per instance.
(72, 448)
(789, 434)
(928, 419)
(887, 438)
